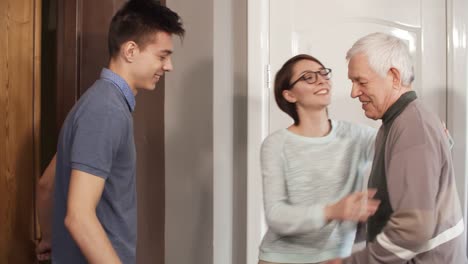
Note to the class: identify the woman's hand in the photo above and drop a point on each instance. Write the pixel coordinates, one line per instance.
(357, 206)
(333, 261)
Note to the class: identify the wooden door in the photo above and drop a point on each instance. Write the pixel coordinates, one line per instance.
(19, 129)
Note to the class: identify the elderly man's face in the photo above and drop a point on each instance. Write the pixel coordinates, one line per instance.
(373, 91)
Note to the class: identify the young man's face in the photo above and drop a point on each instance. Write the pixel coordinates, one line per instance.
(373, 91)
(152, 61)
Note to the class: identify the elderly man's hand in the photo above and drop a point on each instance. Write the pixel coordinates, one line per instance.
(43, 250)
(334, 261)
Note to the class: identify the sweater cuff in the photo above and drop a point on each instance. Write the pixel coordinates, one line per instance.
(317, 214)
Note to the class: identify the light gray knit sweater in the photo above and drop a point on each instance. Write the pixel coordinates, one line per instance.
(301, 175)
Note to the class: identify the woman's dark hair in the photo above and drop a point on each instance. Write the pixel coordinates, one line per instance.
(138, 20)
(283, 82)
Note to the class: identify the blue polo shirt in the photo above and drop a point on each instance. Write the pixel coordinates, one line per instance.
(97, 138)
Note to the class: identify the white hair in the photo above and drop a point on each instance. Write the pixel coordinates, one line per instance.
(385, 51)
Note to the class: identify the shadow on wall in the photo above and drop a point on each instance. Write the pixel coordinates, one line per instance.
(240, 168)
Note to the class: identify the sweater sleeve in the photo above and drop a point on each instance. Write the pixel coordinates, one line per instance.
(369, 142)
(283, 217)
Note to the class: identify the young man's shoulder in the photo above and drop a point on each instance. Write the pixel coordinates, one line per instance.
(103, 91)
(102, 97)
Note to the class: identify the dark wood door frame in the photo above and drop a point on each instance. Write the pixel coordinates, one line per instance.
(68, 54)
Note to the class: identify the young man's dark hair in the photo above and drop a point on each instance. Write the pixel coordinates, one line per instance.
(138, 20)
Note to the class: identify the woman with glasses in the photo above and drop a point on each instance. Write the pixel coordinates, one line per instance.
(313, 172)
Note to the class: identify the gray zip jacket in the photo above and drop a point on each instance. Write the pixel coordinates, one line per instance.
(419, 219)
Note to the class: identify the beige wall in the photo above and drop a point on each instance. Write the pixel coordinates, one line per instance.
(189, 138)
(205, 130)
(230, 131)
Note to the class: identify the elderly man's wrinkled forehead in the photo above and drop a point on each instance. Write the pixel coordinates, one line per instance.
(359, 68)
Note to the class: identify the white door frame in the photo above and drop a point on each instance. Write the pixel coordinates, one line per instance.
(457, 93)
(258, 93)
(257, 125)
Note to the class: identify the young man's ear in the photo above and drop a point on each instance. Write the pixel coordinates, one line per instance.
(129, 49)
(396, 78)
(289, 96)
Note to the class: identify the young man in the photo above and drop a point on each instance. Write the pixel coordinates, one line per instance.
(94, 212)
(419, 219)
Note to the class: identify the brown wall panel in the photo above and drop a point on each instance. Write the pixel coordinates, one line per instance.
(149, 139)
(67, 59)
(17, 130)
(94, 25)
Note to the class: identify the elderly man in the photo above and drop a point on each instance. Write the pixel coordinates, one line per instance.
(419, 219)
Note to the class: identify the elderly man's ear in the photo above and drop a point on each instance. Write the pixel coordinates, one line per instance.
(396, 78)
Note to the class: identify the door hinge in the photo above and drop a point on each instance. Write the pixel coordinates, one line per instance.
(268, 76)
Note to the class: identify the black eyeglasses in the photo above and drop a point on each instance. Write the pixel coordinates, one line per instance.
(311, 77)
